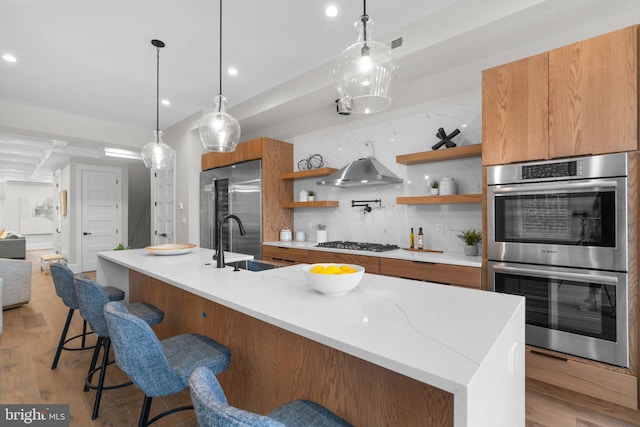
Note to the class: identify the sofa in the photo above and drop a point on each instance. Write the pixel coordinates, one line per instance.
(16, 282)
(12, 245)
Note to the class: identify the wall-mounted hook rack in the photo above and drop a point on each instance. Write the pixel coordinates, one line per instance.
(365, 204)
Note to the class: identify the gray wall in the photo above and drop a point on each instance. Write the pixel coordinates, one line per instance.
(139, 206)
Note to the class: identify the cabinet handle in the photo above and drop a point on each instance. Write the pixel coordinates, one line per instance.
(424, 262)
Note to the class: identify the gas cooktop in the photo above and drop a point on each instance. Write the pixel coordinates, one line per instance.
(358, 246)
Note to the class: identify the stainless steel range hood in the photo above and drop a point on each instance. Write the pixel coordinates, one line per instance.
(361, 172)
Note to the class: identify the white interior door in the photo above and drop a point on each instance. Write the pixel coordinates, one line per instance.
(100, 214)
(163, 182)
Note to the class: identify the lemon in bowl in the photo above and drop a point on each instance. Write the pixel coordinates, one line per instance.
(333, 278)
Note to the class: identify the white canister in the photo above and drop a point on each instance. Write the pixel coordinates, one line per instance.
(300, 236)
(285, 235)
(448, 186)
(303, 196)
(321, 236)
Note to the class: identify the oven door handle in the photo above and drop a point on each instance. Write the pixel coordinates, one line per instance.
(581, 277)
(525, 188)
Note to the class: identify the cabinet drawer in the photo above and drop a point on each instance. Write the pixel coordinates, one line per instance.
(439, 273)
(583, 377)
(371, 264)
(283, 254)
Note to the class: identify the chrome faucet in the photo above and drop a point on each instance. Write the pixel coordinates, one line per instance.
(219, 256)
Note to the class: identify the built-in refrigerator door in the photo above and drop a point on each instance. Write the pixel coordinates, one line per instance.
(245, 201)
(214, 203)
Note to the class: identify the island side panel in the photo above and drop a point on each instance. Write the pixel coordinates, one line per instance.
(271, 366)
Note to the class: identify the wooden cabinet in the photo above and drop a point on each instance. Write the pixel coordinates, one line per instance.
(430, 272)
(371, 264)
(515, 109)
(285, 255)
(579, 99)
(277, 158)
(593, 95)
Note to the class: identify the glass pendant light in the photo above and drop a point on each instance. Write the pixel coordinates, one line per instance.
(157, 154)
(219, 131)
(366, 73)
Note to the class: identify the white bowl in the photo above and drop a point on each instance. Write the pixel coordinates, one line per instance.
(333, 284)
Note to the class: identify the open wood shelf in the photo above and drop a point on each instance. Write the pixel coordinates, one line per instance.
(433, 200)
(308, 174)
(314, 204)
(465, 151)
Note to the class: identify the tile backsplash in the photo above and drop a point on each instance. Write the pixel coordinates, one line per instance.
(391, 223)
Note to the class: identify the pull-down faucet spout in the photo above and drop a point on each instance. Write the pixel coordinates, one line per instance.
(219, 256)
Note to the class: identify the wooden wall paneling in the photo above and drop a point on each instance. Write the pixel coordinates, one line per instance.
(593, 95)
(277, 158)
(271, 366)
(146, 291)
(515, 117)
(371, 264)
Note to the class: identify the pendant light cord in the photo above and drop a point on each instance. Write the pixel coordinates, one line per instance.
(365, 18)
(220, 74)
(157, 94)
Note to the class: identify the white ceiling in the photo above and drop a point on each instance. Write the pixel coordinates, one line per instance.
(95, 60)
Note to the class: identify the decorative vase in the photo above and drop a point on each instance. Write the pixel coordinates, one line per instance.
(311, 198)
(471, 250)
(434, 191)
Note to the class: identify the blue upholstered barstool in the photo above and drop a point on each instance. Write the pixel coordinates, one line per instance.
(213, 410)
(63, 282)
(159, 368)
(91, 299)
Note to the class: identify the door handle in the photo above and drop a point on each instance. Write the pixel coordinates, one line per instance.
(86, 234)
(163, 234)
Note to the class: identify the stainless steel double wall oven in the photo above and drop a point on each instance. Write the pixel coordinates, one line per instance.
(558, 235)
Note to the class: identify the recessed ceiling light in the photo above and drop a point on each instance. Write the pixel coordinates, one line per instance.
(165, 102)
(9, 58)
(331, 11)
(232, 71)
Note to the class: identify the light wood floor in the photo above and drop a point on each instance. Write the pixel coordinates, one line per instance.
(27, 347)
(30, 337)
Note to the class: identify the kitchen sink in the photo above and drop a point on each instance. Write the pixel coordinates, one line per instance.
(253, 265)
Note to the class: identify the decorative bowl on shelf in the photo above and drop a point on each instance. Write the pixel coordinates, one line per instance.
(332, 278)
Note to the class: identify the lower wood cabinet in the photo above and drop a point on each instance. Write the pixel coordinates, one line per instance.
(430, 272)
(588, 378)
(371, 264)
(457, 275)
(285, 255)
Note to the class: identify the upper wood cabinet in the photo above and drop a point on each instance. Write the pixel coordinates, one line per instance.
(277, 159)
(515, 106)
(593, 95)
(579, 99)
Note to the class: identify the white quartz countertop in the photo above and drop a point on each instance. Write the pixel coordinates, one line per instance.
(434, 333)
(455, 258)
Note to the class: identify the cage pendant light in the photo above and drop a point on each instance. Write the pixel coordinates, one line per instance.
(219, 131)
(366, 73)
(157, 154)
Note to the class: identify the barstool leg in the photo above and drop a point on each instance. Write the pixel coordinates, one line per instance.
(84, 333)
(103, 370)
(144, 413)
(92, 367)
(63, 337)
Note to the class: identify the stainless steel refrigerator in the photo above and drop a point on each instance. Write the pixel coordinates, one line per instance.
(235, 189)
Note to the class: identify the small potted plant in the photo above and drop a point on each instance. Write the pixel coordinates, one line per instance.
(312, 196)
(434, 187)
(471, 238)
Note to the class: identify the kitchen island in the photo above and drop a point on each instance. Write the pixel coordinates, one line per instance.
(391, 352)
